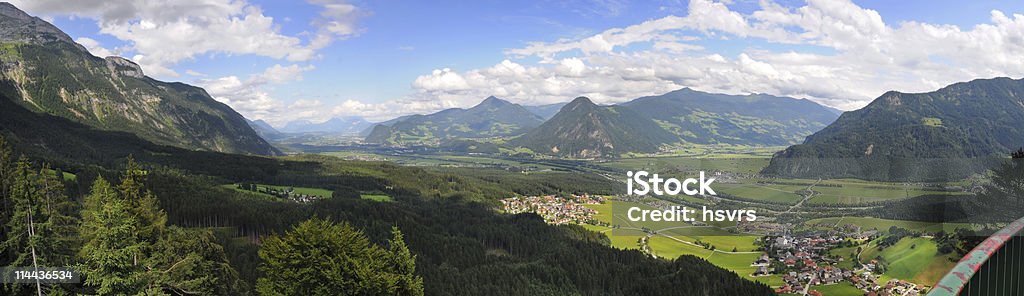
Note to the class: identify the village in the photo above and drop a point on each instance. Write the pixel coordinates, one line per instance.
(802, 261)
(555, 209)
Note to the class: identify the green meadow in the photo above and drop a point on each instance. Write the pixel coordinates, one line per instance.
(843, 288)
(298, 190)
(912, 258)
(747, 165)
(766, 192)
(376, 197)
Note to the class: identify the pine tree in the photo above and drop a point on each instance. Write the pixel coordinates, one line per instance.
(142, 203)
(129, 249)
(190, 262)
(100, 193)
(61, 224)
(319, 257)
(403, 264)
(20, 245)
(110, 256)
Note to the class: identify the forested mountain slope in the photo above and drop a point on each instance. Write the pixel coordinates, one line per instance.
(42, 69)
(945, 134)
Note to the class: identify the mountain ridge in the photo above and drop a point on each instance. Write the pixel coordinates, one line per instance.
(45, 71)
(492, 117)
(346, 125)
(756, 119)
(933, 135)
(582, 129)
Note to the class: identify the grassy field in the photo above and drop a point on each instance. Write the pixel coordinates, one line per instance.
(298, 190)
(840, 289)
(848, 255)
(912, 258)
(738, 263)
(67, 176)
(863, 193)
(376, 197)
(613, 212)
(885, 224)
(767, 192)
(748, 165)
(301, 190)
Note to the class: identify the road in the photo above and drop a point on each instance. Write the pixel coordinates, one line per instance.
(810, 194)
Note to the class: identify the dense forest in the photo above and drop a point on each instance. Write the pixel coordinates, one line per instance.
(142, 227)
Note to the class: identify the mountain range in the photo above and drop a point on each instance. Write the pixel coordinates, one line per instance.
(493, 117)
(941, 135)
(758, 119)
(583, 129)
(349, 125)
(43, 70)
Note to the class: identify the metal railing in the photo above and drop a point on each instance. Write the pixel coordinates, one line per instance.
(994, 267)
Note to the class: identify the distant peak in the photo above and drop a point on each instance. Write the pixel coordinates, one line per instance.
(582, 101)
(493, 101)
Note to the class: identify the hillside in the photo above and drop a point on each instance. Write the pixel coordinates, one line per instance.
(264, 129)
(945, 134)
(758, 119)
(493, 117)
(45, 71)
(584, 129)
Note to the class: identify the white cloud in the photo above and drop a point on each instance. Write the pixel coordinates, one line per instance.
(164, 33)
(251, 96)
(94, 47)
(195, 73)
(246, 98)
(834, 52)
(441, 80)
(282, 74)
(339, 17)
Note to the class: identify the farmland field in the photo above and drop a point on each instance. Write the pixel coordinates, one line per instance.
(738, 263)
(840, 289)
(912, 258)
(298, 190)
(766, 192)
(376, 197)
(852, 194)
(747, 165)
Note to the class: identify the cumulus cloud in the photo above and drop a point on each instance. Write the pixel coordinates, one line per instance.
(282, 74)
(251, 96)
(834, 52)
(163, 33)
(94, 47)
(441, 79)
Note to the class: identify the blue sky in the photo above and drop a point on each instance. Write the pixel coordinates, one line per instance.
(318, 59)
